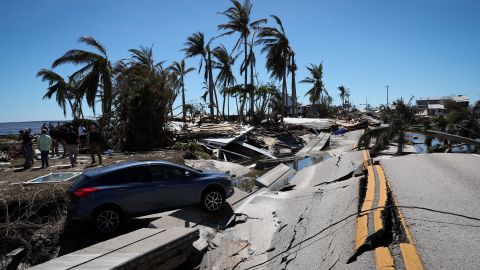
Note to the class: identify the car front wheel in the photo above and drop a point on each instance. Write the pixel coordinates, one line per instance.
(213, 200)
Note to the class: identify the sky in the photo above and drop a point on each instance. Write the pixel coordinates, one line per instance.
(419, 48)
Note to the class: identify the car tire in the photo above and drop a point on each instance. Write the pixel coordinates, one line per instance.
(108, 219)
(213, 200)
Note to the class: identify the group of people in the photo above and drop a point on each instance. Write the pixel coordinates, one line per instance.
(67, 136)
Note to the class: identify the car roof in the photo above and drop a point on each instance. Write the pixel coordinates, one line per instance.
(129, 164)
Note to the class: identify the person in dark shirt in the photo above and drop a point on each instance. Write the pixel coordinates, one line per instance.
(62, 136)
(94, 141)
(72, 140)
(27, 148)
(55, 135)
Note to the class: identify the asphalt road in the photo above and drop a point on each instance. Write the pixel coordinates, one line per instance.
(446, 233)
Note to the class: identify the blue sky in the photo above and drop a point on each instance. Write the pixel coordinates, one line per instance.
(420, 48)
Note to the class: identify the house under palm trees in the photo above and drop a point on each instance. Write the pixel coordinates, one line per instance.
(433, 106)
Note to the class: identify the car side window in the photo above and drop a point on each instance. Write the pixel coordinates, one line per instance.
(126, 176)
(160, 173)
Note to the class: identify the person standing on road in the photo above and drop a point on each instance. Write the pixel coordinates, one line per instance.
(72, 141)
(94, 140)
(27, 148)
(82, 133)
(62, 138)
(44, 143)
(55, 136)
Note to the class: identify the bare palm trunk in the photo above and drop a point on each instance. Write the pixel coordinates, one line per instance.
(183, 102)
(252, 90)
(284, 93)
(294, 88)
(224, 97)
(238, 110)
(246, 75)
(216, 103)
(210, 85)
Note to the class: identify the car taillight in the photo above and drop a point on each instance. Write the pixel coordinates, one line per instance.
(84, 192)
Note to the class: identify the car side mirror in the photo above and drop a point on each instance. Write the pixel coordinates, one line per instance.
(187, 174)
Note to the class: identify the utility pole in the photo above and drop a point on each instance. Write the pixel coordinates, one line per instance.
(387, 86)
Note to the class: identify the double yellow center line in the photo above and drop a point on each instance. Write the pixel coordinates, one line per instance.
(383, 256)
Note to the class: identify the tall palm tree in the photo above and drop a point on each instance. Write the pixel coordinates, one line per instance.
(180, 71)
(239, 20)
(97, 73)
(343, 93)
(316, 80)
(292, 67)
(276, 45)
(196, 46)
(250, 61)
(224, 63)
(64, 92)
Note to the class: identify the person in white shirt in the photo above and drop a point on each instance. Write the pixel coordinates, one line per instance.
(82, 133)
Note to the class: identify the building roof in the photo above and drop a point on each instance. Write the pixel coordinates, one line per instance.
(460, 98)
(457, 98)
(436, 106)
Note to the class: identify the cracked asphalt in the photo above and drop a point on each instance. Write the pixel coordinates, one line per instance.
(312, 226)
(442, 193)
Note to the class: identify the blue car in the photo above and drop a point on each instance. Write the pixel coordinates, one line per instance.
(110, 194)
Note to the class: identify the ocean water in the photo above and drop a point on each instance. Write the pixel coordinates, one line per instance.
(13, 127)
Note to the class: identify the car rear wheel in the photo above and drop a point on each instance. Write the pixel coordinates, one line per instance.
(108, 219)
(213, 200)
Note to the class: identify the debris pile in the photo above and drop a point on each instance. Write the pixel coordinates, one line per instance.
(205, 130)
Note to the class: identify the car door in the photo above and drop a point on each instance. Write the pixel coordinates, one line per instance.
(174, 186)
(132, 188)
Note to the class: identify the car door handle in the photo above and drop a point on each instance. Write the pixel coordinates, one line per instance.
(161, 186)
(122, 189)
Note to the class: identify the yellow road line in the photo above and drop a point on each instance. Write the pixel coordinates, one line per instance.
(409, 251)
(383, 257)
(377, 216)
(362, 220)
(365, 158)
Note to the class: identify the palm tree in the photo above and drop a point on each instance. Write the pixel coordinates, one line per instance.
(225, 75)
(239, 20)
(276, 45)
(64, 92)
(343, 93)
(292, 67)
(97, 73)
(316, 80)
(399, 121)
(195, 46)
(180, 71)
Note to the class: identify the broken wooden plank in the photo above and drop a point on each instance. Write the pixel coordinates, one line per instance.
(274, 177)
(315, 145)
(256, 149)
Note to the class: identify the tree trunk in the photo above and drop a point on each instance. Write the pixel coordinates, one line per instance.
(236, 101)
(284, 93)
(210, 85)
(224, 97)
(245, 75)
(294, 88)
(252, 90)
(183, 101)
(216, 103)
